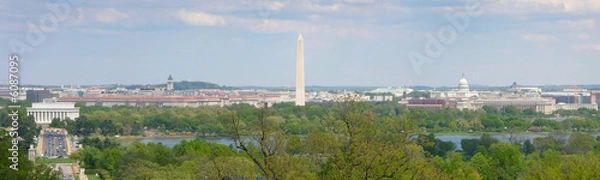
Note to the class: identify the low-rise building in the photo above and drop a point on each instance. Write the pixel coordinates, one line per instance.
(570, 106)
(542, 105)
(428, 103)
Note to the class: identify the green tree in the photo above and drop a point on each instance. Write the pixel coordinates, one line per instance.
(456, 168)
(483, 166)
(56, 123)
(365, 149)
(527, 147)
(512, 110)
(108, 128)
(267, 145)
(25, 169)
(435, 146)
(84, 126)
(546, 166)
(581, 143)
(507, 160)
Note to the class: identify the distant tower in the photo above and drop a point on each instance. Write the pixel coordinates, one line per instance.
(300, 96)
(170, 83)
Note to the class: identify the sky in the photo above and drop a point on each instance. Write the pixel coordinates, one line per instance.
(346, 42)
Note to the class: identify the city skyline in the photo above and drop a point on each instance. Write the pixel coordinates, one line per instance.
(353, 43)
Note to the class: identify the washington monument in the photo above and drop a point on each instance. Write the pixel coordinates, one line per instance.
(300, 73)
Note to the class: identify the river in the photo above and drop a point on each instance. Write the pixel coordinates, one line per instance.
(455, 138)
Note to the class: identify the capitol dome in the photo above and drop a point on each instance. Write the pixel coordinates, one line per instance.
(463, 85)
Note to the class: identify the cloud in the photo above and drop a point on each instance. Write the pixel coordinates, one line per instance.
(588, 47)
(582, 36)
(266, 8)
(272, 5)
(300, 26)
(316, 7)
(200, 18)
(359, 1)
(314, 17)
(77, 17)
(544, 6)
(110, 15)
(586, 24)
(540, 38)
(282, 26)
(238, 40)
(101, 32)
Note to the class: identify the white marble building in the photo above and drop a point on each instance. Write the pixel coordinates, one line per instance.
(45, 111)
(463, 93)
(461, 96)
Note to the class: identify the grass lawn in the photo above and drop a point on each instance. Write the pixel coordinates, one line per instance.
(55, 161)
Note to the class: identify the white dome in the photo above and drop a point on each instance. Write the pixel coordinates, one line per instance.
(463, 81)
(463, 84)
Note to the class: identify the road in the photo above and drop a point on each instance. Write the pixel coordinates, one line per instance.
(54, 143)
(66, 170)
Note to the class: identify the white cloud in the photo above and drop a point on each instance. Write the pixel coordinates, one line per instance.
(314, 17)
(101, 32)
(310, 6)
(281, 26)
(77, 17)
(200, 18)
(586, 24)
(110, 15)
(298, 26)
(590, 47)
(267, 8)
(540, 38)
(583, 36)
(544, 6)
(272, 5)
(359, 1)
(238, 40)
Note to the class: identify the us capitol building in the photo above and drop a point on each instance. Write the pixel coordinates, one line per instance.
(461, 96)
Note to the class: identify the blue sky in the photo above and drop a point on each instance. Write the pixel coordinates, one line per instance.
(347, 42)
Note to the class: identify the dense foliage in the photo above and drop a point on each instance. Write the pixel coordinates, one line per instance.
(24, 169)
(351, 140)
(123, 120)
(26, 127)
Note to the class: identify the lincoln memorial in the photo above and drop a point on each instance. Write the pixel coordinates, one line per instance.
(45, 111)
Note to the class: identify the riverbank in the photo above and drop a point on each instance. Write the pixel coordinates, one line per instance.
(481, 133)
(454, 137)
(437, 134)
